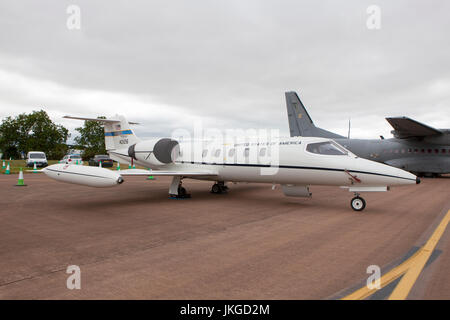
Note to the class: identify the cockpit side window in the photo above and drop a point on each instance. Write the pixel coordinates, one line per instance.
(326, 148)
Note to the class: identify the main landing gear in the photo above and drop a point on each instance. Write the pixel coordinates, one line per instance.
(358, 203)
(219, 187)
(177, 191)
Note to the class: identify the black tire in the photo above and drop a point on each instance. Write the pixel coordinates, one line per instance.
(215, 188)
(358, 204)
(181, 191)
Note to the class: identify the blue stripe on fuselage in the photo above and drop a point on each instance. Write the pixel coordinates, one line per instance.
(118, 133)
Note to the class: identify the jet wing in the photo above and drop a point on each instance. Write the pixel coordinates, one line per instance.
(405, 127)
(140, 172)
(98, 120)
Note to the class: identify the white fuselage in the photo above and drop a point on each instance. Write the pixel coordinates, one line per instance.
(286, 161)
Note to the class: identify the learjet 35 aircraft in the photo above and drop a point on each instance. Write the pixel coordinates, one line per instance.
(295, 163)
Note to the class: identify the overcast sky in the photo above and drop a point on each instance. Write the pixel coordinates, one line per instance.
(170, 63)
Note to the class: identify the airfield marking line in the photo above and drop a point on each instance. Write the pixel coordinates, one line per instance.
(409, 279)
(410, 269)
(386, 279)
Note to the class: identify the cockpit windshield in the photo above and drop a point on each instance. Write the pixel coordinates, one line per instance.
(326, 148)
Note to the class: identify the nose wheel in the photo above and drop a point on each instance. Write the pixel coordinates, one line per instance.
(358, 203)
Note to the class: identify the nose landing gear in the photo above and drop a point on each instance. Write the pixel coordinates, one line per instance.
(358, 203)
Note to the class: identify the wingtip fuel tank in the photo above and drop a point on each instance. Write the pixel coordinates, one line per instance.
(84, 175)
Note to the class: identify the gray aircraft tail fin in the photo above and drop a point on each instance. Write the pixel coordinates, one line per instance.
(300, 123)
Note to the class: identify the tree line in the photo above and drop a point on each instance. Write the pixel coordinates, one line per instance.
(37, 132)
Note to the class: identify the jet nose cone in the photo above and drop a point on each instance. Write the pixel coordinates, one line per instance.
(417, 180)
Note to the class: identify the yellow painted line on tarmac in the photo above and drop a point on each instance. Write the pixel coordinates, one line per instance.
(410, 269)
(392, 275)
(407, 282)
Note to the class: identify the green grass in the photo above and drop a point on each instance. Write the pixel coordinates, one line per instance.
(15, 166)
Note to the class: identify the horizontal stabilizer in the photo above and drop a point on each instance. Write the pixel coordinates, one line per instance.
(405, 127)
(97, 119)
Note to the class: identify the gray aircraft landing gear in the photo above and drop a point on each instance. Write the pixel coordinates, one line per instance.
(176, 190)
(358, 203)
(219, 187)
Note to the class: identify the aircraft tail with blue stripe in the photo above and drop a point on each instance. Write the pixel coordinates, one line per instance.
(118, 132)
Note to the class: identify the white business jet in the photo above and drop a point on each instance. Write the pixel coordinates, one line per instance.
(294, 163)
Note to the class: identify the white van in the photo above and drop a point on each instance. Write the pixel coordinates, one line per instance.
(37, 157)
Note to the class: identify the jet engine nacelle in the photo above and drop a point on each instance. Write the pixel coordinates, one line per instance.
(83, 175)
(156, 152)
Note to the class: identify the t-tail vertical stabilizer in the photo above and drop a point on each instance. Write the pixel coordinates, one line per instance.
(118, 133)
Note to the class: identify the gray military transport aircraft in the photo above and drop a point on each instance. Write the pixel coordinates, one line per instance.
(416, 147)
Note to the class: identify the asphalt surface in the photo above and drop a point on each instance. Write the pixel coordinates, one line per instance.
(132, 242)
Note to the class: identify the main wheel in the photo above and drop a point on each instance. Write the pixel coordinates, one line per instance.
(181, 191)
(358, 204)
(216, 188)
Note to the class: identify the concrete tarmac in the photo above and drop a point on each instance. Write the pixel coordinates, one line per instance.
(132, 242)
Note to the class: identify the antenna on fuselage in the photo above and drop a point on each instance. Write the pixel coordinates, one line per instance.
(349, 127)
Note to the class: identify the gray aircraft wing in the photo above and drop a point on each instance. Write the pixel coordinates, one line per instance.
(405, 127)
(300, 123)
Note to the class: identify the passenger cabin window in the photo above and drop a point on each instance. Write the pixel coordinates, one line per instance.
(217, 153)
(231, 153)
(326, 148)
(246, 152)
(262, 152)
(205, 153)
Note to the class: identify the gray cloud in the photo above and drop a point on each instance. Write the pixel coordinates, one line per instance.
(229, 62)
